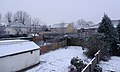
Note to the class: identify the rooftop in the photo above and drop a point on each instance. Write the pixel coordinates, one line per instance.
(9, 47)
(60, 25)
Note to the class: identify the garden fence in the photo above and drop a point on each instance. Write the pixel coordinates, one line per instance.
(90, 67)
(53, 46)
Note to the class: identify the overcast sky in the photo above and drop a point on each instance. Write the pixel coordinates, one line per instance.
(54, 11)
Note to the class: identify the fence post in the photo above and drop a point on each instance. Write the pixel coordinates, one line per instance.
(97, 58)
(90, 67)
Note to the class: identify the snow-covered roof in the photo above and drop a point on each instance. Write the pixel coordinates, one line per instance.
(94, 26)
(9, 47)
(59, 25)
(85, 26)
(115, 22)
(16, 24)
(79, 26)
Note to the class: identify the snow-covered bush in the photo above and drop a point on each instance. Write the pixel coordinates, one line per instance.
(95, 43)
(78, 63)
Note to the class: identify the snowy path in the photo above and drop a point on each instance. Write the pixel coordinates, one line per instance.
(112, 65)
(59, 60)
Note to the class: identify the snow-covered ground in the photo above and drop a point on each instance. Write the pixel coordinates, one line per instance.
(112, 65)
(59, 60)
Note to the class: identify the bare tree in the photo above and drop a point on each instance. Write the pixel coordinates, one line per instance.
(90, 23)
(29, 26)
(8, 17)
(81, 22)
(22, 17)
(18, 30)
(44, 27)
(35, 24)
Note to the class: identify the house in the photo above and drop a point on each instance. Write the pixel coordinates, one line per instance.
(89, 30)
(62, 28)
(16, 28)
(16, 55)
(86, 32)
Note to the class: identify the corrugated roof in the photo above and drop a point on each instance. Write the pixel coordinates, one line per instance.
(8, 47)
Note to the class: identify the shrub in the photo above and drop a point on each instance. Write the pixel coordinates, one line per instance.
(95, 43)
(78, 63)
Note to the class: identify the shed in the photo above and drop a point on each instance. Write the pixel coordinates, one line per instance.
(16, 55)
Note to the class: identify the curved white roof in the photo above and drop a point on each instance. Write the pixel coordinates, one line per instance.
(8, 47)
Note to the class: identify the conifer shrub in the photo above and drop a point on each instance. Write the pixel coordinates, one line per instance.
(94, 43)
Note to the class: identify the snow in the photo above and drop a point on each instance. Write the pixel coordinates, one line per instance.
(59, 60)
(8, 47)
(60, 25)
(31, 35)
(3, 24)
(86, 26)
(112, 65)
(115, 22)
(16, 24)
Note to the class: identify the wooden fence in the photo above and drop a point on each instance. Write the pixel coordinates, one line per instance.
(53, 46)
(90, 67)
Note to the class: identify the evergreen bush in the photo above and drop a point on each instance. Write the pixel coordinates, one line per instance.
(94, 43)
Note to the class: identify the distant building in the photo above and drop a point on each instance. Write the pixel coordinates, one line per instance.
(115, 22)
(62, 28)
(16, 55)
(87, 31)
(16, 28)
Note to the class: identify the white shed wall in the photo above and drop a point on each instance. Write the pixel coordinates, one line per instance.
(18, 62)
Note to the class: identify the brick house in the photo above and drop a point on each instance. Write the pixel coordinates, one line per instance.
(62, 28)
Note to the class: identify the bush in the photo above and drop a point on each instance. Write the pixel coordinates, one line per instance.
(78, 63)
(95, 43)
